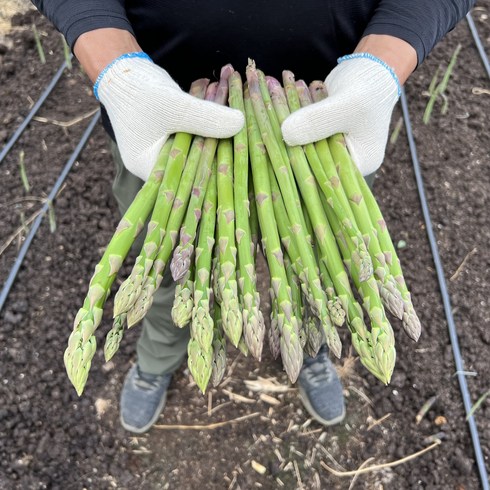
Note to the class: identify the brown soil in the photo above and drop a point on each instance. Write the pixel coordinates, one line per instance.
(50, 438)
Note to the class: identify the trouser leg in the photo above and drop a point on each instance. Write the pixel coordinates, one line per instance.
(162, 346)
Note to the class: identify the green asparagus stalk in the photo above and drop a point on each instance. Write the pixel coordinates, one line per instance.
(202, 322)
(227, 280)
(314, 335)
(254, 220)
(311, 198)
(219, 349)
(81, 343)
(382, 336)
(296, 298)
(410, 320)
(184, 299)
(200, 362)
(253, 321)
(131, 288)
(287, 324)
(298, 96)
(319, 305)
(275, 127)
(114, 337)
(196, 172)
(392, 298)
(376, 348)
(274, 335)
(185, 249)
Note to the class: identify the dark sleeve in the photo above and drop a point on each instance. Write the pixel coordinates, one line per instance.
(422, 23)
(74, 17)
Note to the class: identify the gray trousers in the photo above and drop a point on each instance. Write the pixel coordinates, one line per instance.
(162, 347)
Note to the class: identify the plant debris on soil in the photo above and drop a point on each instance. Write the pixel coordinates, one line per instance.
(251, 431)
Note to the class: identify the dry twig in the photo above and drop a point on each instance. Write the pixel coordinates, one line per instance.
(377, 467)
(216, 425)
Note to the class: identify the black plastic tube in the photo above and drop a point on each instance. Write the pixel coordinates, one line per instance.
(37, 222)
(13, 139)
(445, 298)
(479, 45)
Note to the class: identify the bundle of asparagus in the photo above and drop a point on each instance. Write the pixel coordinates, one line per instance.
(320, 229)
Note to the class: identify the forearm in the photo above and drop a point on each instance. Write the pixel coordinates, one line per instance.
(96, 49)
(395, 52)
(420, 23)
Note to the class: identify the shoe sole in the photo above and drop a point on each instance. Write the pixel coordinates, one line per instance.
(315, 414)
(141, 430)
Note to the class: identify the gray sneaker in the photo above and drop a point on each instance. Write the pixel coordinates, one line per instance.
(320, 389)
(142, 399)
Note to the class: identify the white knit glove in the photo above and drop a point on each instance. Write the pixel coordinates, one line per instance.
(145, 106)
(362, 93)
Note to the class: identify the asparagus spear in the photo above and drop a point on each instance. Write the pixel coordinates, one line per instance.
(298, 96)
(114, 337)
(202, 321)
(253, 219)
(410, 320)
(284, 179)
(287, 323)
(219, 349)
(184, 251)
(184, 299)
(200, 362)
(314, 335)
(253, 321)
(130, 289)
(315, 211)
(382, 336)
(227, 281)
(81, 343)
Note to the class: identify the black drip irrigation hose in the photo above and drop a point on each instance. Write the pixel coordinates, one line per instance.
(445, 299)
(32, 232)
(479, 45)
(13, 139)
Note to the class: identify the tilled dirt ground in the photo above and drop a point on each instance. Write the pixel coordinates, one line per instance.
(50, 438)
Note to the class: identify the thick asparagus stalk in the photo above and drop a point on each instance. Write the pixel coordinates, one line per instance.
(311, 198)
(284, 179)
(253, 321)
(184, 299)
(177, 213)
(410, 320)
(227, 281)
(219, 349)
(287, 323)
(202, 322)
(298, 96)
(381, 332)
(81, 343)
(114, 337)
(381, 335)
(130, 289)
(184, 251)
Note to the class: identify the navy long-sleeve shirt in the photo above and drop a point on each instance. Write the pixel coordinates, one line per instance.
(193, 39)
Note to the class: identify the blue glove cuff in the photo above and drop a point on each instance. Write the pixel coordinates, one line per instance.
(138, 54)
(371, 57)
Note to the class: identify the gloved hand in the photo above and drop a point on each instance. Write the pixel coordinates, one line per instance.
(145, 106)
(362, 91)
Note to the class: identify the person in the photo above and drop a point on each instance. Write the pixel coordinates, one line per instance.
(141, 54)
